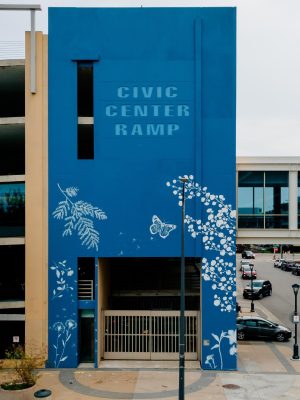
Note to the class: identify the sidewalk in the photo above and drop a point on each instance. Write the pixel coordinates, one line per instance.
(262, 377)
(266, 372)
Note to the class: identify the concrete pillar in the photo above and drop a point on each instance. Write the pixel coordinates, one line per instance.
(103, 304)
(36, 211)
(293, 200)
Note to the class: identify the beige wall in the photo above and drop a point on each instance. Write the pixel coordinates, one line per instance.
(103, 293)
(36, 213)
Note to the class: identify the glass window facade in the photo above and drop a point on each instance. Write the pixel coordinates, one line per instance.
(263, 200)
(12, 209)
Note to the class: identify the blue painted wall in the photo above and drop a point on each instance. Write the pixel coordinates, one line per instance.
(175, 68)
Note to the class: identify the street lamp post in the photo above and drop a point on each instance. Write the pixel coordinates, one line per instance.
(182, 299)
(296, 320)
(252, 302)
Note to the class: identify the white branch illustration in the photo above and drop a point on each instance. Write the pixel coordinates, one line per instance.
(217, 233)
(78, 217)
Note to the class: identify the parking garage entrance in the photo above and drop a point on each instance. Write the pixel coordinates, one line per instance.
(148, 335)
(139, 301)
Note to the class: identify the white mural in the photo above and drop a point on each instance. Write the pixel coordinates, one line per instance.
(160, 227)
(63, 336)
(230, 335)
(63, 274)
(217, 230)
(78, 217)
(218, 225)
(222, 276)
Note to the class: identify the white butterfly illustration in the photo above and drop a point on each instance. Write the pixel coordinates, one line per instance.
(160, 227)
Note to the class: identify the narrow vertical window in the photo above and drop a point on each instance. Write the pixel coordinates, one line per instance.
(85, 141)
(85, 111)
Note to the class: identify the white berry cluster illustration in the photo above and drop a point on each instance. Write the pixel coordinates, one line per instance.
(216, 229)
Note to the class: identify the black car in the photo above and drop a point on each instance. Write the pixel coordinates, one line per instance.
(296, 269)
(257, 327)
(287, 265)
(260, 289)
(248, 254)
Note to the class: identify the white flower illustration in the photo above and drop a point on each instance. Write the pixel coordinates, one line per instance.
(59, 327)
(217, 230)
(210, 360)
(222, 275)
(231, 336)
(218, 227)
(62, 338)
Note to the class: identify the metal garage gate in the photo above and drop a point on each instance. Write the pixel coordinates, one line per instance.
(148, 335)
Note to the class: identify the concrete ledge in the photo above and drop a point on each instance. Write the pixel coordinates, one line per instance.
(12, 62)
(4, 305)
(8, 241)
(12, 121)
(12, 317)
(12, 178)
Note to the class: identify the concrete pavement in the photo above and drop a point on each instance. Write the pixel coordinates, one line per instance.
(265, 372)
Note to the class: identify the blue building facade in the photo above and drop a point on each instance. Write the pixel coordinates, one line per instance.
(161, 105)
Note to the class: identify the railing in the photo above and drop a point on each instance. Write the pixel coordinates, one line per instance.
(85, 289)
(148, 335)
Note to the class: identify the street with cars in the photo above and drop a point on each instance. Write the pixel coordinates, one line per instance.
(272, 295)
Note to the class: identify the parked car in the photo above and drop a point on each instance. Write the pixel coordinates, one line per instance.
(257, 327)
(278, 262)
(261, 289)
(248, 254)
(245, 262)
(287, 265)
(247, 274)
(296, 269)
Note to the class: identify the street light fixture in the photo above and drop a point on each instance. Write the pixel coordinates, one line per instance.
(182, 299)
(252, 302)
(296, 321)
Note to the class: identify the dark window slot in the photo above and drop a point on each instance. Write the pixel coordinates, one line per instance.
(85, 103)
(85, 141)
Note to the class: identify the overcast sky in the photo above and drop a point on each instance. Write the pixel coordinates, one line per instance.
(268, 64)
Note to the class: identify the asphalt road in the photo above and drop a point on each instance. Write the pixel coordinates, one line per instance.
(282, 301)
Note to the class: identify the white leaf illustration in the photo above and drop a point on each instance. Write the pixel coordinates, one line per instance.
(76, 218)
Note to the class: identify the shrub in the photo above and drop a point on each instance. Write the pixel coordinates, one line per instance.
(25, 368)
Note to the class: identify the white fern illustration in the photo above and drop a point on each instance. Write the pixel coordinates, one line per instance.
(77, 216)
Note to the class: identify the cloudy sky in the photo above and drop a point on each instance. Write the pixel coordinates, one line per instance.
(268, 64)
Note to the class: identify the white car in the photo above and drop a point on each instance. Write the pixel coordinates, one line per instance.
(278, 262)
(245, 262)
